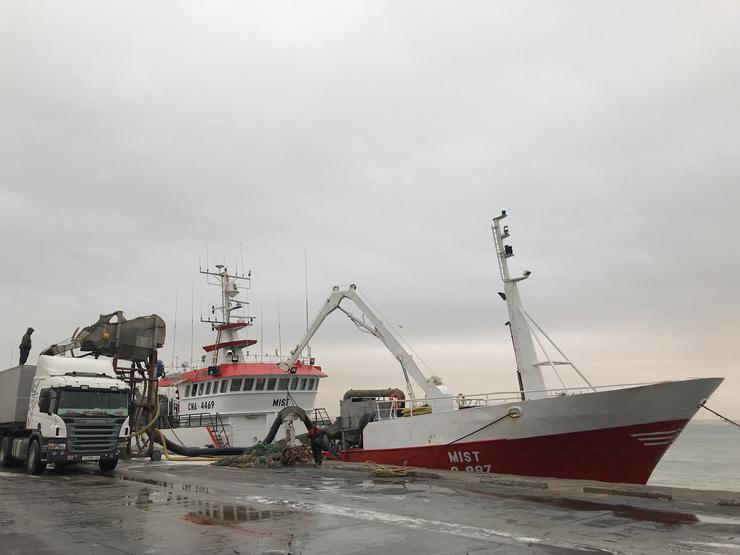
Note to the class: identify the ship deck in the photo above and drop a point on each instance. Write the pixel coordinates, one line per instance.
(164, 507)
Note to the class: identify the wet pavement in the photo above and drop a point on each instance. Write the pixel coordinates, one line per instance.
(163, 507)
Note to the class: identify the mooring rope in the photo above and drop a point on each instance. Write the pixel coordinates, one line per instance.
(390, 470)
(718, 414)
(386, 470)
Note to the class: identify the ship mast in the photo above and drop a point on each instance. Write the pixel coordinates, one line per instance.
(531, 381)
(524, 329)
(228, 347)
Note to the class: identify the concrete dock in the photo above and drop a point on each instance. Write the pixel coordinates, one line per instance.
(162, 507)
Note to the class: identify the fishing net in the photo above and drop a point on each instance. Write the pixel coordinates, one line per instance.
(267, 456)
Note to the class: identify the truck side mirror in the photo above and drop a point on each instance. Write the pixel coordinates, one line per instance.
(44, 401)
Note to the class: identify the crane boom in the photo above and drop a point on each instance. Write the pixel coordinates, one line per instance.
(433, 388)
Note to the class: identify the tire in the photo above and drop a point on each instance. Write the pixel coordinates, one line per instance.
(6, 461)
(108, 465)
(33, 459)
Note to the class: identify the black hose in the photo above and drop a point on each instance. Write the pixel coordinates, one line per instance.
(197, 451)
(220, 451)
(297, 411)
(364, 419)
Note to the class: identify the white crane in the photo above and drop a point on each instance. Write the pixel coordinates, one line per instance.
(436, 394)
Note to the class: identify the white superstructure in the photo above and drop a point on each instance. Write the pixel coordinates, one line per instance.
(234, 399)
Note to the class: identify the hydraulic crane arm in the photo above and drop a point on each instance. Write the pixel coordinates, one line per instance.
(432, 386)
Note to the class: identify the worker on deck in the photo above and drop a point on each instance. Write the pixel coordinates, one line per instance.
(25, 346)
(315, 436)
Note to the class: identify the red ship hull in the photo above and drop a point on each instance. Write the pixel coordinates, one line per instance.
(607, 455)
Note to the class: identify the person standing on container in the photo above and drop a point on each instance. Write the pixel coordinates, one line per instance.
(25, 346)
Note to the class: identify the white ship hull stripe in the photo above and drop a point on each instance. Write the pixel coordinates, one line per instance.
(655, 433)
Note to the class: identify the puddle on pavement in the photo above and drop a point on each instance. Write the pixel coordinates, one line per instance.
(625, 511)
(385, 486)
(200, 510)
(203, 511)
(707, 519)
(169, 484)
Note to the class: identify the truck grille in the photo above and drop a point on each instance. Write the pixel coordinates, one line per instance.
(89, 435)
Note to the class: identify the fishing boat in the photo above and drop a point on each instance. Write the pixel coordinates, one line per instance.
(613, 433)
(233, 399)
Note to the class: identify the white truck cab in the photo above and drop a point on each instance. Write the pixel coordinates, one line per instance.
(76, 411)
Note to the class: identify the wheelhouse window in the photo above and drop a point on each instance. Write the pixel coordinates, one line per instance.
(260, 384)
(303, 384)
(293, 383)
(208, 388)
(282, 383)
(248, 384)
(187, 391)
(201, 385)
(224, 386)
(271, 384)
(236, 384)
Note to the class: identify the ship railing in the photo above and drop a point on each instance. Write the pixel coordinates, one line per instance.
(196, 420)
(389, 408)
(306, 361)
(498, 397)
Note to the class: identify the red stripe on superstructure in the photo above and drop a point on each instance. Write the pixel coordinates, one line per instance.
(227, 344)
(606, 455)
(213, 437)
(231, 326)
(249, 369)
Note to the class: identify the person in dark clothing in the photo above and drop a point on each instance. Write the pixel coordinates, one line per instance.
(315, 434)
(25, 346)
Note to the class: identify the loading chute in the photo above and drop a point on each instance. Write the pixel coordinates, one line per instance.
(115, 336)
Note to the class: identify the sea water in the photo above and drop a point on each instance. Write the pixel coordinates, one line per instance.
(705, 456)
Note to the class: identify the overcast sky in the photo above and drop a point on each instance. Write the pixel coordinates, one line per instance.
(381, 137)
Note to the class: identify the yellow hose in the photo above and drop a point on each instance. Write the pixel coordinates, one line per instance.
(145, 428)
(164, 441)
(179, 459)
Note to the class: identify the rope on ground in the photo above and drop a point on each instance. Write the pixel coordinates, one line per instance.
(386, 470)
(702, 405)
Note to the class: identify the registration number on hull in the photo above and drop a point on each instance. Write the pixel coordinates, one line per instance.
(459, 458)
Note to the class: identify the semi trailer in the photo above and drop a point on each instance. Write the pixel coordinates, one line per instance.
(63, 411)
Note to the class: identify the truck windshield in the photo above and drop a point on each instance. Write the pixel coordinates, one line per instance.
(89, 402)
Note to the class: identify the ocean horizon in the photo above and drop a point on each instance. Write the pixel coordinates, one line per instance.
(705, 456)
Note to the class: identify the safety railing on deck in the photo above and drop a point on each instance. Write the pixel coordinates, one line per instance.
(395, 408)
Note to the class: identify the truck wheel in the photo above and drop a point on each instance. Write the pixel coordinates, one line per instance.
(33, 459)
(6, 461)
(108, 465)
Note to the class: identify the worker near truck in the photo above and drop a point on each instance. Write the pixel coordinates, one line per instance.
(25, 346)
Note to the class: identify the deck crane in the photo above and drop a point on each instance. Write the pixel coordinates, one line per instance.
(436, 394)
